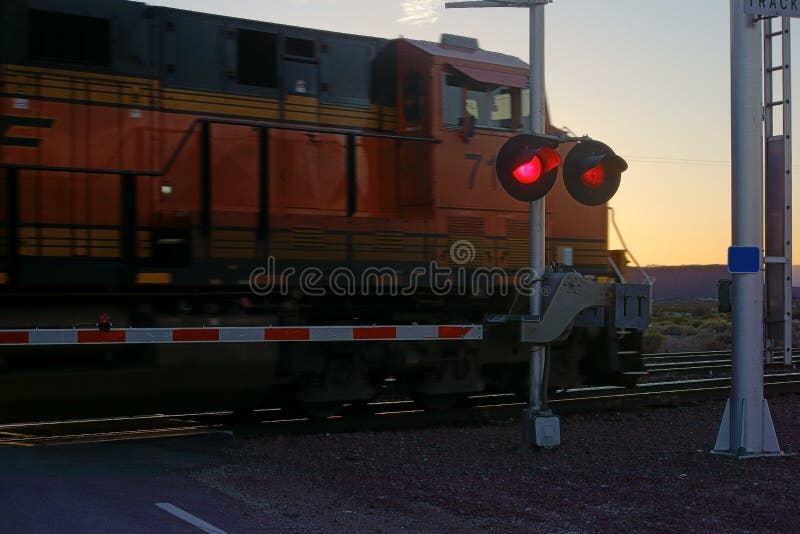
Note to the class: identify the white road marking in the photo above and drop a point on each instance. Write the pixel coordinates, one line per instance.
(189, 518)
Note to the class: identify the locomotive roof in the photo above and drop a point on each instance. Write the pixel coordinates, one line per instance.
(453, 52)
(432, 48)
(232, 18)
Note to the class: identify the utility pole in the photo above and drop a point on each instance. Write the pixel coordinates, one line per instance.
(540, 426)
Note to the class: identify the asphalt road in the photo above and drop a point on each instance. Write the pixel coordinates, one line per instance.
(119, 487)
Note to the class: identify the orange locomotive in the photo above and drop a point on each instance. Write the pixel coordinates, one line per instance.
(232, 140)
(162, 156)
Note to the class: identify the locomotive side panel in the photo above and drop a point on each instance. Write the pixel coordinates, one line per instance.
(234, 177)
(377, 180)
(415, 182)
(178, 191)
(309, 173)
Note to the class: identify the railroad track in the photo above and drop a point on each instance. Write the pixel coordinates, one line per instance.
(380, 415)
(103, 429)
(665, 362)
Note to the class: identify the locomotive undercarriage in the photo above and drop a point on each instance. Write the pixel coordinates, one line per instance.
(81, 381)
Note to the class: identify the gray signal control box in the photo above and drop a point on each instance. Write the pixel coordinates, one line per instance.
(571, 299)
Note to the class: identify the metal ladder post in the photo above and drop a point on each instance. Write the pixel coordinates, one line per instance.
(778, 175)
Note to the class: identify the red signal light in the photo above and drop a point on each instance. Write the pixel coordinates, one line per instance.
(545, 160)
(527, 173)
(594, 177)
(527, 166)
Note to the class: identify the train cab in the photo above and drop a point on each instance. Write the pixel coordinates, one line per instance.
(472, 101)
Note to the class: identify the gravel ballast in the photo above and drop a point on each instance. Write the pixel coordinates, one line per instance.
(641, 471)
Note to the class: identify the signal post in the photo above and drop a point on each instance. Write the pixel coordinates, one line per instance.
(540, 426)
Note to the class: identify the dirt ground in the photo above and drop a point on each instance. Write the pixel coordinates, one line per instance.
(641, 471)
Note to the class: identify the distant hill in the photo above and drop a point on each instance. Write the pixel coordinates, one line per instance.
(684, 281)
(691, 281)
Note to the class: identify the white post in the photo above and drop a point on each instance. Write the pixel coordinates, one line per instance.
(536, 228)
(746, 428)
(541, 427)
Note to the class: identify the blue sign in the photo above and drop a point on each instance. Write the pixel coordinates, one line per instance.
(744, 260)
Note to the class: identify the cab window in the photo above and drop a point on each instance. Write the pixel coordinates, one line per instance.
(476, 105)
(501, 109)
(489, 106)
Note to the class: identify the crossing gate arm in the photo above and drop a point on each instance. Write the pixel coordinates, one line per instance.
(240, 334)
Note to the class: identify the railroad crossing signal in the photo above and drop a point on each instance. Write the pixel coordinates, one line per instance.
(527, 166)
(592, 172)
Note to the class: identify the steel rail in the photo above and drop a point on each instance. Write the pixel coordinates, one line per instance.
(691, 361)
(380, 415)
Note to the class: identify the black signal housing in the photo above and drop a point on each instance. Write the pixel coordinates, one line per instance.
(527, 166)
(592, 172)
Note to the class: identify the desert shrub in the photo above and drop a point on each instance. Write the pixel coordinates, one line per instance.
(717, 325)
(678, 330)
(652, 341)
(690, 326)
(703, 310)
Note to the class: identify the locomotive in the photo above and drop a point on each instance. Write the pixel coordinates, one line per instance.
(168, 167)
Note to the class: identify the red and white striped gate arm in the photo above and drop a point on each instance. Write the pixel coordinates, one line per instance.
(242, 334)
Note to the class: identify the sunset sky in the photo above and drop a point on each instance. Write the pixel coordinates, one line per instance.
(649, 78)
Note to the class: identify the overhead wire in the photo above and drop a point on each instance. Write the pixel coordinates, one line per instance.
(682, 161)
